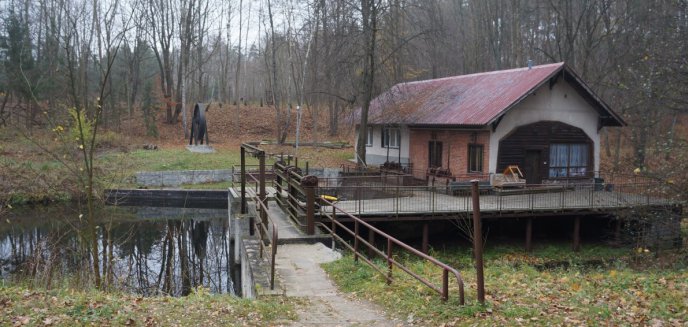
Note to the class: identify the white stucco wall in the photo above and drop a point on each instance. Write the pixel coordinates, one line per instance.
(376, 154)
(562, 103)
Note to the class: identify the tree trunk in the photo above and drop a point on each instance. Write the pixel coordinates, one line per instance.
(369, 11)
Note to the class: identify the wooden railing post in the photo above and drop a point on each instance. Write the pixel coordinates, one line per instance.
(310, 210)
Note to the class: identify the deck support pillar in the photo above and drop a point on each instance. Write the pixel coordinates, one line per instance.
(371, 241)
(529, 234)
(617, 232)
(576, 233)
(424, 246)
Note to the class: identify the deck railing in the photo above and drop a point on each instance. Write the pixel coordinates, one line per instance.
(388, 254)
(396, 200)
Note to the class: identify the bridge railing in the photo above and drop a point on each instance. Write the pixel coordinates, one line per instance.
(268, 236)
(295, 193)
(267, 229)
(389, 254)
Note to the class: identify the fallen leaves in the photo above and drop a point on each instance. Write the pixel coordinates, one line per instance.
(21, 321)
(22, 307)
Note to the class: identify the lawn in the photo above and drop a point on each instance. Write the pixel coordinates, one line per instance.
(551, 286)
(64, 307)
(176, 159)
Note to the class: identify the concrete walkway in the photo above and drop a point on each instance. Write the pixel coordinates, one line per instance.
(298, 269)
(299, 274)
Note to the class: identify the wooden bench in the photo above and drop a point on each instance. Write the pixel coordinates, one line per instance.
(461, 188)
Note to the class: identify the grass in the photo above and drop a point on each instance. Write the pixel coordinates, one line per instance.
(64, 307)
(176, 159)
(551, 286)
(209, 186)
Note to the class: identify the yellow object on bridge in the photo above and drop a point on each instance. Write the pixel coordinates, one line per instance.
(328, 197)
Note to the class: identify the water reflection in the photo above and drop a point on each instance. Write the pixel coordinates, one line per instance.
(141, 249)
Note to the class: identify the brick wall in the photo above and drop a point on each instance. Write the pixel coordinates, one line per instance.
(455, 145)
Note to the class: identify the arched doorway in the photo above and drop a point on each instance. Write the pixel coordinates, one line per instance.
(547, 150)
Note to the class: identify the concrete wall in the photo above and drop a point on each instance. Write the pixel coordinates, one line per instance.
(168, 198)
(562, 103)
(455, 147)
(178, 177)
(377, 155)
(248, 288)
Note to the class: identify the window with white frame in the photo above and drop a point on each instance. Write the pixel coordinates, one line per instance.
(369, 138)
(391, 137)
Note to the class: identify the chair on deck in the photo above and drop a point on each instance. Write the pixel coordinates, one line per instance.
(511, 177)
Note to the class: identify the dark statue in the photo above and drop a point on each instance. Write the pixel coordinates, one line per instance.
(199, 125)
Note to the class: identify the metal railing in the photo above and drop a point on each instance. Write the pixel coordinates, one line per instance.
(396, 199)
(388, 255)
(295, 198)
(266, 223)
(264, 231)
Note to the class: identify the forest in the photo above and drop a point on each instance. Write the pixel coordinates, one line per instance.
(84, 82)
(150, 60)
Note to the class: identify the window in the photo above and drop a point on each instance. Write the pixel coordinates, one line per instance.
(568, 160)
(369, 139)
(434, 154)
(391, 138)
(475, 158)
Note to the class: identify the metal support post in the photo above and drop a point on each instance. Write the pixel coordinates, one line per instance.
(478, 242)
(243, 181)
(262, 196)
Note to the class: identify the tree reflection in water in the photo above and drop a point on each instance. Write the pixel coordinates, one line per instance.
(144, 250)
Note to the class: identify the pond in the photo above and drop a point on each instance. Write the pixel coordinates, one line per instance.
(145, 250)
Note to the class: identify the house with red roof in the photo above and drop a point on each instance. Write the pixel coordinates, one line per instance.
(544, 119)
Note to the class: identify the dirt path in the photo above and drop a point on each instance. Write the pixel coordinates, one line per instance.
(298, 267)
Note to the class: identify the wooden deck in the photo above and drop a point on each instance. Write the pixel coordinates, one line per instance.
(424, 203)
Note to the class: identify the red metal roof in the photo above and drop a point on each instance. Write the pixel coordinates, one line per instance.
(468, 100)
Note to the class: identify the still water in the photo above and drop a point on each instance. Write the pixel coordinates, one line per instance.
(145, 250)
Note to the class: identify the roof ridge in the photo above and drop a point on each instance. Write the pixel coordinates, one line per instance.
(481, 73)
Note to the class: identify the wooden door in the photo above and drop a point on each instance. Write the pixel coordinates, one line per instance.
(532, 167)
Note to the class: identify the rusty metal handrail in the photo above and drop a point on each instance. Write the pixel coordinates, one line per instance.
(263, 231)
(294, 206)
(261, 200)
(446, 269)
